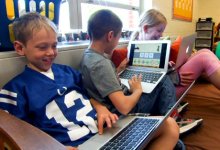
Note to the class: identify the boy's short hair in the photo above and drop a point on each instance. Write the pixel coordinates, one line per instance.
(24, 26)
(103, 21)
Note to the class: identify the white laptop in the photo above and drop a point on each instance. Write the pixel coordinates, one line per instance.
(146, 57)
(126, 134)
(185, 50)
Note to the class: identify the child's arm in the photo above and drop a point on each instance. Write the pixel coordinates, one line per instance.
(103, 115)
(15, 102)
(122, 65)
(123, 103)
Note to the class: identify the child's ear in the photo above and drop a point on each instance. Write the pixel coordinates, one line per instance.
(110, 35)
(145, 28)
(19, 48)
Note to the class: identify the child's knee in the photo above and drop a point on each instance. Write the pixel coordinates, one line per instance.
(205, 53)
(205, 50)
(172, 128)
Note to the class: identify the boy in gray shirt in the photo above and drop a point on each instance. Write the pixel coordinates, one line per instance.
(101, 79)
(102, 82)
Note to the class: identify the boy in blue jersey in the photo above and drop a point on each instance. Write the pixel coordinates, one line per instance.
(102, 83)
(50, 96)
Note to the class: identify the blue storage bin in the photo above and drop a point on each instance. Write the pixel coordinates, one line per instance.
(6, 34)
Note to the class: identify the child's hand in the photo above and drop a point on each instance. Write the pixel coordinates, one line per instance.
(105, 116)
(185, 78)
(122, 65)
(171, 64)
(135, 83)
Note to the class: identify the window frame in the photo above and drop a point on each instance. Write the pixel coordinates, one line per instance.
(76, 15)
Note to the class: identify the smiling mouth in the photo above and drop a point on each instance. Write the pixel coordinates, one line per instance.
(48, 60)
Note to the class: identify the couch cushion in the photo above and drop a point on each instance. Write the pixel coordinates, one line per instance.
(118, 55)
(175, 49)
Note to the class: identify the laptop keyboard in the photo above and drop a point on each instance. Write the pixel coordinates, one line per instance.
(149, 77)
(132, 135)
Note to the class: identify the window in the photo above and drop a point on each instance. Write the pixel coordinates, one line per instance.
(74, 14)
(64, 18)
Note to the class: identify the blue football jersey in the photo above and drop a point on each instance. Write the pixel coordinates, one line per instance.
(59, 107)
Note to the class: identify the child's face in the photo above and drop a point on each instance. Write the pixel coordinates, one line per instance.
(154, 33)
(114, 43)
(41, 50)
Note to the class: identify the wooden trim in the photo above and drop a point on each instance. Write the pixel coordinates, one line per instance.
(18, 134)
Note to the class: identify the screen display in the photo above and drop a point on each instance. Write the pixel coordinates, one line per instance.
(148, 55)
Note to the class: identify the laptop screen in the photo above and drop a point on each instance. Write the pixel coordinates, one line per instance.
(151, 54)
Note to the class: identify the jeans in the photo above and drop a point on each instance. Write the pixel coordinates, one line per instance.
(159, 101)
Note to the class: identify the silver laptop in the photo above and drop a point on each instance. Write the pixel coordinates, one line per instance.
(130, 132)
(185, 50)
(149, 58)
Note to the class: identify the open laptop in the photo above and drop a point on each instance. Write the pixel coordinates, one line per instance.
(149, 58)
(121, 135)
(185, 49)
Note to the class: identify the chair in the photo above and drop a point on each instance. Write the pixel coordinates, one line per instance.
(16, 134)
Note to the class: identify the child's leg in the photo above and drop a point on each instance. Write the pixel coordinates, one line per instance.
(214, 78)
(159, 101)
(146, 103)
(166, 137)
(203, 61)
(166, 97)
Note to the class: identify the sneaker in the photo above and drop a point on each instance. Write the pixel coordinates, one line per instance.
(182, 106)
(175, 114)
(187, 125)
(180, 146)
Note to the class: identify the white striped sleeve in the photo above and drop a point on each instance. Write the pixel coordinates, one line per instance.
(9, 93)
(8, 100)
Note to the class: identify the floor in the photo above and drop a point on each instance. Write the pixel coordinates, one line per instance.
(204, 102)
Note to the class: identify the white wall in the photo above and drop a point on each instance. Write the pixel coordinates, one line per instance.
(176, 27)
(209, 8)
